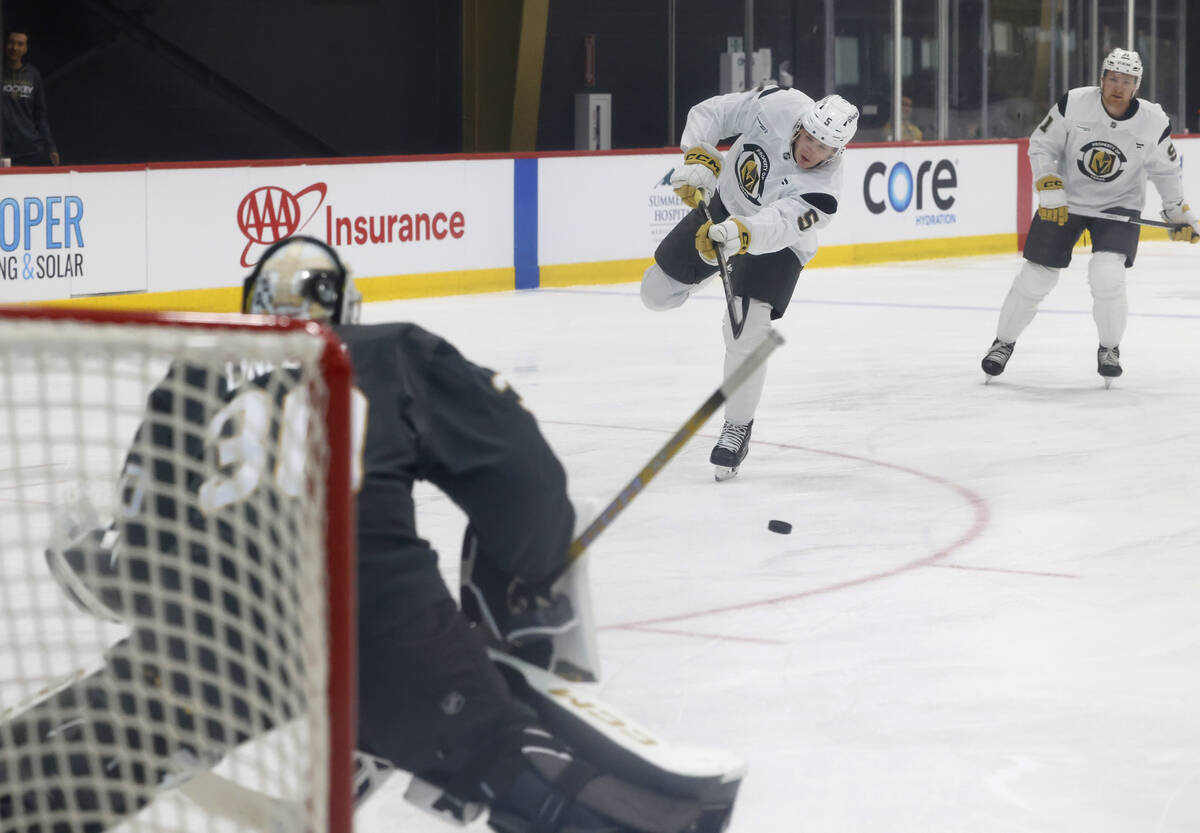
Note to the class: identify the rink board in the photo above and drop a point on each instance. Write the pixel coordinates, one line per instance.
(184, 236)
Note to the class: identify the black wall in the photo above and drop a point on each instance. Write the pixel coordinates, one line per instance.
(1193, 68)
(170, 80)
(185, 80)
(631, 61)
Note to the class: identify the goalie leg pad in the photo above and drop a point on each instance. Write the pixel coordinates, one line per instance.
(615, 743)
(532, 782)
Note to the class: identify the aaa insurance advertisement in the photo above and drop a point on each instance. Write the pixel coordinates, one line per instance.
(384, 218)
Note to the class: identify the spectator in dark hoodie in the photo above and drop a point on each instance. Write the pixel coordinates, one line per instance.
(27, 139)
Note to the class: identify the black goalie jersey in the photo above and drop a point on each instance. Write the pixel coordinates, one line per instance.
(421, 412)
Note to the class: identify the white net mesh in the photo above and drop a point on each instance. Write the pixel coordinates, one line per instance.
(162, 578)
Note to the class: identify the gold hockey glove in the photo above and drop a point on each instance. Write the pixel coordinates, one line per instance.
(731, 236)
(1052, 199)
(696, 178)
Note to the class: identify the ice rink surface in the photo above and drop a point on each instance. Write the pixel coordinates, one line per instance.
(985, 618)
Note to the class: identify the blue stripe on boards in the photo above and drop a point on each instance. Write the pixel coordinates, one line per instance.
(525, 223)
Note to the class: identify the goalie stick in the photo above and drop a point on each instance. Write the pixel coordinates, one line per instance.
(671, 447)
(736, 322)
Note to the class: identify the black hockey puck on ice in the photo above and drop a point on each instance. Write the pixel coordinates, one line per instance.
(782, 527)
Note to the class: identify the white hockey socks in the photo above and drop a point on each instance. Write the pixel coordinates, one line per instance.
(741, 405)
(1029, 287)
(1110, 306)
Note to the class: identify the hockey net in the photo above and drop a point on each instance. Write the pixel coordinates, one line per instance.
(176, 574)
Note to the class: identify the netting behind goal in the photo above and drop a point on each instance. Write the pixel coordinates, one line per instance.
(176, 574)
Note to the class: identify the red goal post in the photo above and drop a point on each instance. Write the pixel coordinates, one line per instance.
(73, 393)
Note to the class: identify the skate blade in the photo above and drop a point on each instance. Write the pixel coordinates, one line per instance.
(723, 473)
(1108, 380)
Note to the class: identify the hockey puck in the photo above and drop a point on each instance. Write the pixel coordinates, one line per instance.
(782, 527)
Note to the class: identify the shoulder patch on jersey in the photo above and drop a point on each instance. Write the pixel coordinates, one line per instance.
(1165, 133)
(768, 91)
(1062, 104)
(822, 202)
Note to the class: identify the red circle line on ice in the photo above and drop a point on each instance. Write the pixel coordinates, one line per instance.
(979, 521)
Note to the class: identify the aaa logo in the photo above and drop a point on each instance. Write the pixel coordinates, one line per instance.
(269, 214)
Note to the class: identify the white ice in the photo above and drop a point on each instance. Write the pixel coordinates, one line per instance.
(985, 618)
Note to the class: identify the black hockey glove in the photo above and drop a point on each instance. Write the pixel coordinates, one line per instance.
(86, 570)
(513, 611)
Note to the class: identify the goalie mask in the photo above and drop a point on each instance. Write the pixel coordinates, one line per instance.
(1125, 61)
(832, 121)
(303, 278)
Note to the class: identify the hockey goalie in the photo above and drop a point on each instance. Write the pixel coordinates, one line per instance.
(491, 708)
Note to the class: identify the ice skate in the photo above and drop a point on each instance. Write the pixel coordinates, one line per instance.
(997, 357)
(730, 450)
(1108, 363)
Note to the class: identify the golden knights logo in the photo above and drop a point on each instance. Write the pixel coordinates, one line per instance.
(752, 169)
(1101, 161)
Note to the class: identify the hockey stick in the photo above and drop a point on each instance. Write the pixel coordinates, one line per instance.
(735, 322)
(672, 446)
(1142, 221)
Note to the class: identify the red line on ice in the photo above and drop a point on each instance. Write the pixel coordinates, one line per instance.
(978, 523)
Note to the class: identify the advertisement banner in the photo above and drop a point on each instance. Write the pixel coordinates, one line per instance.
(938, 191)
(610, 207)
(67, 235)
(903, 193)
(391, 218)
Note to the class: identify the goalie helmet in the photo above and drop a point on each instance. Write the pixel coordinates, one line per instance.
(831, 121)
(303, 278)
(1124, 61)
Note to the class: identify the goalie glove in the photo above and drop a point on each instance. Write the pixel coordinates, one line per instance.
(1052, 199)
(1182, 214)
(86, 570)
(696, 178)
(731, 236)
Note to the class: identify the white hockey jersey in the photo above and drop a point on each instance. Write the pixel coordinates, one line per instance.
(1104, 162)
(781, 203)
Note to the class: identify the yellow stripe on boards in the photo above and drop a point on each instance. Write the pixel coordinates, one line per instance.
(605, 271)
(626, 271)
(229, 299)
(436, 284)
(225, 299)
(468, 282)
(929, 248)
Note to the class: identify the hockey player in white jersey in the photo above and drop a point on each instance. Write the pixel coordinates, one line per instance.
(768, 195)
(1091, 157)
